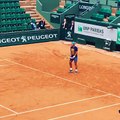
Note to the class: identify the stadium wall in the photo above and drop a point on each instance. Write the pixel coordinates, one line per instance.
(59, 17)
(98, 34)
(72, 10)
(45, 14)
(49, 5)
(29, 37)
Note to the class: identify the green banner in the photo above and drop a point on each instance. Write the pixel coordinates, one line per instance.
(18, 38)
(118, 36)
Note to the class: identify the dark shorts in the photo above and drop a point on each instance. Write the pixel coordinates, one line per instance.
(75, 59)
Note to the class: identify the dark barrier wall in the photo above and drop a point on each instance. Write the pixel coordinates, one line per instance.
(97, 42)
(55, 18)
(19, 38)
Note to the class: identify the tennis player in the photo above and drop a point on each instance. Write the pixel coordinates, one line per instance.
(73, 57)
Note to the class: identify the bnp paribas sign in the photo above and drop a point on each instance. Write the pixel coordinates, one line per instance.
(96, 31)
(90, 29)
(80, 28)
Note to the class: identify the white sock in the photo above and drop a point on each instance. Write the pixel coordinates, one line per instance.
(76, 70)
(70, 68)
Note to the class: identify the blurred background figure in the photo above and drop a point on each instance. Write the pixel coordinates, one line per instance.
(41, 24)
(64, 24)
(33, 25)
(72, 26)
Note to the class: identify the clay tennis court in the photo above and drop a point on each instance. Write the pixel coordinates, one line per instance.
(35, 83)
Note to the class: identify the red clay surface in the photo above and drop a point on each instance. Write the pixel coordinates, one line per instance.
(35, 83)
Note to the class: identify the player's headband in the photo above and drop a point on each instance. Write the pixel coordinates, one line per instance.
(73, 43)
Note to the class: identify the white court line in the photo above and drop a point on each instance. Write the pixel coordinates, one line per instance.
(115, 95)
(62, 104)
(5, 65)
(53, 106)
(65, 79)
(86, 111)
(6, 116)
(35, 69)
(8, 109)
